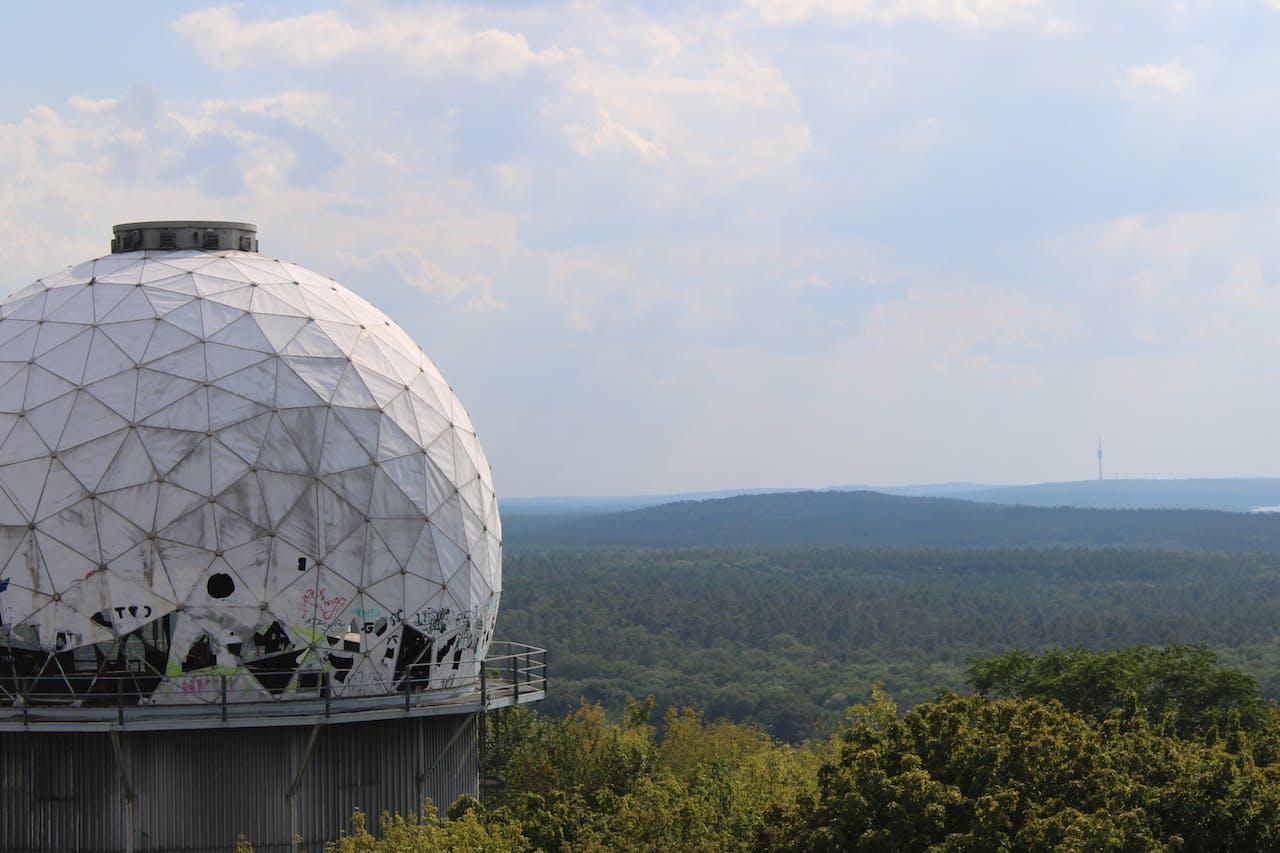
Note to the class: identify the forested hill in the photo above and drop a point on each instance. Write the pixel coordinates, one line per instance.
(875, 519)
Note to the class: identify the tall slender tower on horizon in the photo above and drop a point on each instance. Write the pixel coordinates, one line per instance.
(1099, 456)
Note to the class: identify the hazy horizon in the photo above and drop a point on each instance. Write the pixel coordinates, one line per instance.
(660, 248)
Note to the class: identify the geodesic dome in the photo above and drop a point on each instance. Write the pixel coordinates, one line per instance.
(214, 462)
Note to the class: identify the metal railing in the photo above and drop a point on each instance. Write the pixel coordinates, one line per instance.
(512, 673)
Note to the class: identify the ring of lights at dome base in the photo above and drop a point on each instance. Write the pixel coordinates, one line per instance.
(218, 463)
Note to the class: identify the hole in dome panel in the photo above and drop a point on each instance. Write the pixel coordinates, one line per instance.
(413, 667)
(125, 670)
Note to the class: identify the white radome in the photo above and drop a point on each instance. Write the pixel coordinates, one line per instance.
(214, 462)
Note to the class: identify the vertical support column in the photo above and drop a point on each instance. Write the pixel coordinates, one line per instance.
(126, 786)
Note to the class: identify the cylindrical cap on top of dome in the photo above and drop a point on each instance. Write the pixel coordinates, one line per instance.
(176, 234)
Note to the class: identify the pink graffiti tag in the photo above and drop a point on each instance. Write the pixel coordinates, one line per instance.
(314, 605)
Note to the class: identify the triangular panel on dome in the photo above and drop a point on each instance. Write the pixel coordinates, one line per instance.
(61, 490)
(340, 450)
(194, 526)
(76, 528)
(355, 485)
(280, 452)
(63, 565)
(261, 269)
(174, 503)
(24, 481)
(364, 424)
(352, 391)
(312, 341)
(245, 438)
(400, 535)
(157, 390)
(190, 413)
(256, 382)
(141, 565)
(216, 316)
(291, 580)
(189, 318)
(194, 471)
(68, 359)
(300, 526)
(108, 295)
(188, 362)
(48, 420)
(184, 565)
(77, 309)
(154, 270)
(344, 334)
(20, 347)
(424, 560)
(409, 475)
(43, 386)
(29, 307)
(244, 333)
(322, 375)
(306, 427)
(235, 530)
(322, 308)
(117, 392)
(236, 298)
(252, 562)
(13, 391)
(394, 442)
(105, 359)
(226, 409)
(175, 293)
(89, 420)
(244, 498)
(388, 501)
(168, 447)
(338, 519)
(226, 465)
(132, 337)
(10, 515)
(266, 304)
(225, 269)
(450, 555)
(223, 361)
(291, 391)
(383, 389)
(116, 534)
(130, 466)
(379, 562)
(136, 503)
(167, 338)
(348, 556)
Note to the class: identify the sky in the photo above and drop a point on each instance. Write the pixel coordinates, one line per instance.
(666, 246)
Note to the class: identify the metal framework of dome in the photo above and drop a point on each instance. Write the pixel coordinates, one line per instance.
(214, 462)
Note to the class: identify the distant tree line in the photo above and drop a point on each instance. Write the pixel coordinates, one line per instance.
(875, 519)
(789, 638)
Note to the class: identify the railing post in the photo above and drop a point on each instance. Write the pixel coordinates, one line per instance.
(484, 690)
(515, 679)
(328, 691)
(120, 700)
(223, 691)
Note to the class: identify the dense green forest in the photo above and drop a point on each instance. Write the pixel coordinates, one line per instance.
(875, 519)
(789, 638)
(1139, 749)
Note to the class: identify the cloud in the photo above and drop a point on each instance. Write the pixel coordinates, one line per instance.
(430, 43)
(969, 12)
(1167, 79)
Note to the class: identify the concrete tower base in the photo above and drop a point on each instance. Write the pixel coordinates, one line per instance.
(197, 790)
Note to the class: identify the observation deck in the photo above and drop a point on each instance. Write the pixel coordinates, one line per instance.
(516, 675)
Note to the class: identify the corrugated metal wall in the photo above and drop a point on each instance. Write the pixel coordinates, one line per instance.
(197, 790)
